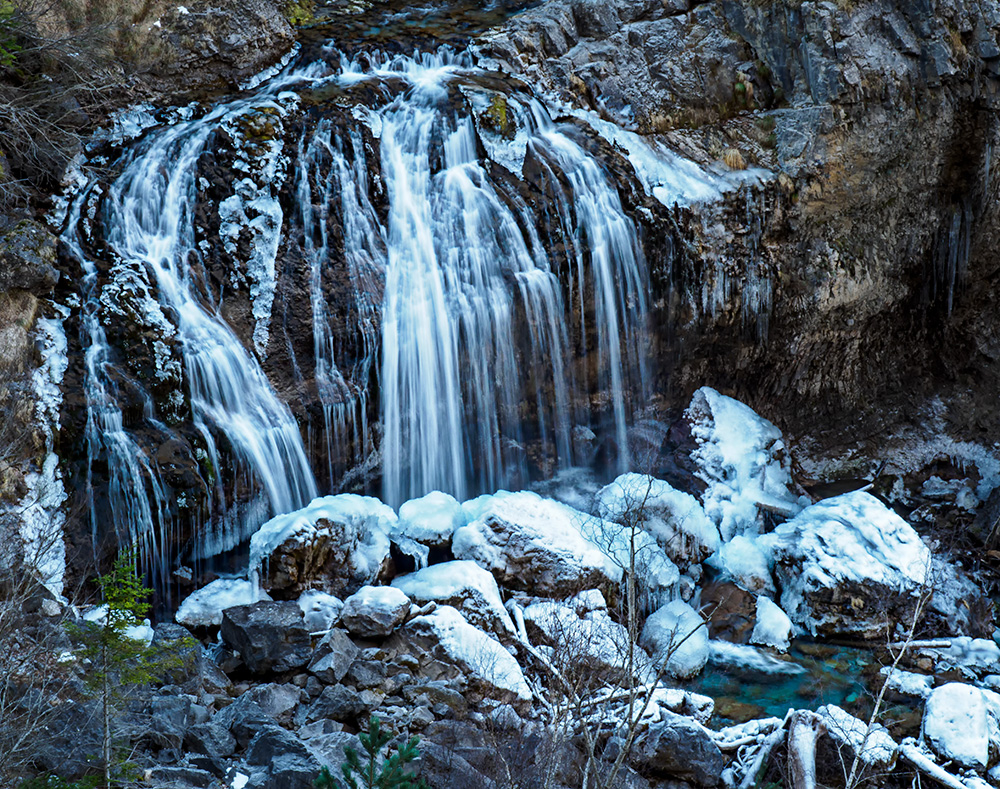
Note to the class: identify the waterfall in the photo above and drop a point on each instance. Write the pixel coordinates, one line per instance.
(473, 287)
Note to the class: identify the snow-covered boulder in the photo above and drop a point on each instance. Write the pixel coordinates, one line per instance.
(674, 518)
(336, 543)
(204, 607)
(658, 577)
(320, 610)
(677, 634)
(583, 639)
(851, 737)
(743, 460)
(375, 611)
(743, 560)
(431, 519)
(463, 585)
(848, 565)
(534, 544)
(907, 683)
(773, 628)
(448, 646)
(956, 724)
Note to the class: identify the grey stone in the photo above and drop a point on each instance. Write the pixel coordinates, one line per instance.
(244, 717)
(269, 636)
(181, 777)
(333, 656)
(678, 746)
(375, 611)
(28, 258)
(290, 763)
(337, 702)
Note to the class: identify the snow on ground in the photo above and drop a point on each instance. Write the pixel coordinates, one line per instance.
(739, 456)
(673, 517)
(677, 634)
(850, 538)
(773, 628)
(367, 519)
(479, 655)
(204, 608)
(956, 724)
(526, 540)
(464, 585)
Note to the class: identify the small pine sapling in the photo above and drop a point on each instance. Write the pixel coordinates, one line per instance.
(371, 774)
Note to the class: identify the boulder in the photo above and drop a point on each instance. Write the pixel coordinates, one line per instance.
(320, 610)
(243, 719)
(337, 702)
(845, 737)
(743, 560)
(773, 628)
(269, 636)
(533, 544)
(181, 778)
(204, 607)
(336, 544)
(333, 657)
(742, 459)
(956, 724)
(28, 258)
(430, 520)
(443, 642)
(848, 566)
(674, 518)
(463, 585)
(677, 634)
(290, 763)
(375, 611)
(212, 741)
(679, 747)
(584, 641)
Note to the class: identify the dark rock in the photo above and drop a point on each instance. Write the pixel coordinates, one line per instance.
(374, 611)
(269, 636)
(181, 777)
(244, 718)
(333, 656)
(28, 258)
(290, 763)
(211, 740)
(69, 738)
(168, 721)
(365, 674)
(337, 702)
(678, 746)
(277, 701)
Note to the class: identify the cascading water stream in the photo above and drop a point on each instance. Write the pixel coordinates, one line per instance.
(486, 307)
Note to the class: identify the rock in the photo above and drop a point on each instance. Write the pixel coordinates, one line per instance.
(430, 520)
(463, 585)
(731, 611)
(375, 611)
(333, 657)
(217, 44)
(320, 610)
(534, 544)
(204, 607)
(28, 259)
(269, 636)
(584, 642)
(212, 741)
(675, 519)
(742, 459)
(956, 724)
(337, 702)
(290, 763)
(773, 628)
(243, 719)
(69, 739)
(677, 634)
(443, 637)
(336, 543)
(679, 747)
(746, 563)
(181, 777)
(278, 702)
(846, 737)
(169, 718)
(848, 566)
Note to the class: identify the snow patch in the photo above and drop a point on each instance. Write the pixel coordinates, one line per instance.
(773, 628)
(204, 607)
(677, 634)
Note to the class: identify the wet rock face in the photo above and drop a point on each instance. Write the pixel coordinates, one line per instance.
(876, 237)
